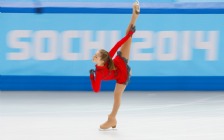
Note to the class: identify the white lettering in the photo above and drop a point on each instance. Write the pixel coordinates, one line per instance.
(186, 51)
(14, 41)
(114, 38)
(145, 44)
(67, 53)
(88, 45)
(40, 53)
(210, 45)
(170, 36)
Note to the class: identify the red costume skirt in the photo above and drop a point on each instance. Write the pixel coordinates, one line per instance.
(123, 69)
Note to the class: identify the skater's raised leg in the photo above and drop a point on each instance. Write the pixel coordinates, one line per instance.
(125, 49)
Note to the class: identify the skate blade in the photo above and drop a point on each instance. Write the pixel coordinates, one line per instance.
(109, 129)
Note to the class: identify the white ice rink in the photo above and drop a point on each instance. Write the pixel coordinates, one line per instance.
(142, 116)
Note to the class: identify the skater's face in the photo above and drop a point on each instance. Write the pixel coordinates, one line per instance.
(97, 58)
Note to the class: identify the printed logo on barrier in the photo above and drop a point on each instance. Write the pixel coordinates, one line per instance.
(162, 45)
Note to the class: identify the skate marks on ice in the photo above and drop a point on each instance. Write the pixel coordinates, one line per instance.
(143, 116)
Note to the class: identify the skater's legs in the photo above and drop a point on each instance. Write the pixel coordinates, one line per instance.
(111, 122)
(118, 91)
(125, 49)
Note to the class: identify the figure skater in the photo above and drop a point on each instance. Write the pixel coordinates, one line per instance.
(115, 69)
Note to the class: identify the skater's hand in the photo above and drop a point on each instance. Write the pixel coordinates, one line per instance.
(91, 71)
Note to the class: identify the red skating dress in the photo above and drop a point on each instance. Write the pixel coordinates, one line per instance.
(122, 72)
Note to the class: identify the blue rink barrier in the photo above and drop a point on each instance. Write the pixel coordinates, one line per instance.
(110, 11)
(114, 8)
(201, 69)
(137, 83)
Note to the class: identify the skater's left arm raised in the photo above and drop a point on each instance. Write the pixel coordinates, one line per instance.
(120, 43)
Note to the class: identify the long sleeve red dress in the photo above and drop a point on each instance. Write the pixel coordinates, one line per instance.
(122, 72)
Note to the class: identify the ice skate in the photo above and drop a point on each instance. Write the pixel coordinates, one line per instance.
(111, 122)
(136, 7)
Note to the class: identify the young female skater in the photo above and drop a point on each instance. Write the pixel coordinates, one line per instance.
(115, 69)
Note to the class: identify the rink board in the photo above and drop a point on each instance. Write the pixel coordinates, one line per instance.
(189, 57)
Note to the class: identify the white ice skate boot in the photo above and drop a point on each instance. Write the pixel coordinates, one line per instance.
(137, 7)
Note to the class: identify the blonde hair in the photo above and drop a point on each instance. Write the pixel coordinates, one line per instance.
(107, 59)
